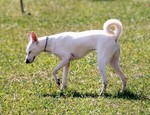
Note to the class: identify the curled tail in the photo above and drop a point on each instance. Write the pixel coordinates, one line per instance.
(113, 23)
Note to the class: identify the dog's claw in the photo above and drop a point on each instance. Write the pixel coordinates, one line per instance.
(58, 82)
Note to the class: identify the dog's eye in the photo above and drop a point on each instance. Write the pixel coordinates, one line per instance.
(29, 52)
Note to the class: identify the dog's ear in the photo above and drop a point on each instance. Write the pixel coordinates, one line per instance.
(32, 36)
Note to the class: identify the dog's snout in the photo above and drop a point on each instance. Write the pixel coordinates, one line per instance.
(27, 61)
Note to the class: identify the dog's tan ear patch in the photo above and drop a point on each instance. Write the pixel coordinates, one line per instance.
(34, 37)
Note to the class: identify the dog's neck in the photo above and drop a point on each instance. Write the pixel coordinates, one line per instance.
(45, 44)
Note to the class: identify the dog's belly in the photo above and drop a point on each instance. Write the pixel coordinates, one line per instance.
(78, 55)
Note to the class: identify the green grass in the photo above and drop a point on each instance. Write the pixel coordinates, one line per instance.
(30, 89)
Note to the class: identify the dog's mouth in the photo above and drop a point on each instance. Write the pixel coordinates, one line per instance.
(27, 61)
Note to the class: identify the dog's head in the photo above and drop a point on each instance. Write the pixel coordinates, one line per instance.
(32, 48)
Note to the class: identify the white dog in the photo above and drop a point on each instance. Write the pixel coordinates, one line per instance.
(70, 46)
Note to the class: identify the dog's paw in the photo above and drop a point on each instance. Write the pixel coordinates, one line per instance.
(63, 87)
(101, 94)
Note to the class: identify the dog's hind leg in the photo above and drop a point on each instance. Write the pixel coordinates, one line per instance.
(101, 66)
(115, 64)
(64, 81)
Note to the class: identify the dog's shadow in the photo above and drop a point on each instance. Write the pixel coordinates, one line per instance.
(75, 94)
(71, 93)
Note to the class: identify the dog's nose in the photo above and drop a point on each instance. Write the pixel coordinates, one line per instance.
(27, 61)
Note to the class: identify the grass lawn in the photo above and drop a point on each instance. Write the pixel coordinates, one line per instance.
(30, 89)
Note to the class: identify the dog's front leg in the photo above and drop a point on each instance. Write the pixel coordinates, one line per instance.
(64, 81)
(60, 65)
